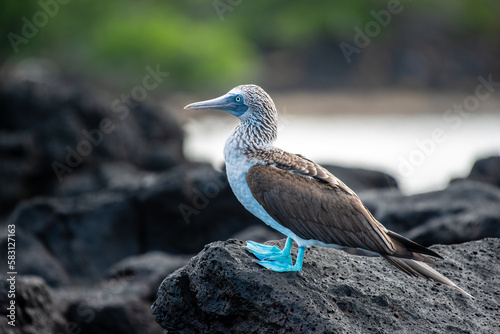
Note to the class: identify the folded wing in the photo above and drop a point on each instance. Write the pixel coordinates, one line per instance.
(327, 211)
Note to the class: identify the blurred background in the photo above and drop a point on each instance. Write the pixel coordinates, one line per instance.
(210, 46)
(378, 77)
(100, 163)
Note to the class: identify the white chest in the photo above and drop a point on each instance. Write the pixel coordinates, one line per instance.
(237, 166)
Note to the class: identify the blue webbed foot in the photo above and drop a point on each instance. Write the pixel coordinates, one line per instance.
(281, 266)
(271, 253)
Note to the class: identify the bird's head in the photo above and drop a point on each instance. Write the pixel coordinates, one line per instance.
(242, 101)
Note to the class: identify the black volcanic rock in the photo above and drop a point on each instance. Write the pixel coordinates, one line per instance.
(143, 273)
(178, 211)
(187, 208)
(359, 179)
(223, 290)
(464, 211)
(121, 302)
(86, 234)
(115, 314)
(33, 258)
(485, 170)
(45, 127)
(37, 310)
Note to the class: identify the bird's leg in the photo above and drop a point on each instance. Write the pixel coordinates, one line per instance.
(271, 253)
(282, 267)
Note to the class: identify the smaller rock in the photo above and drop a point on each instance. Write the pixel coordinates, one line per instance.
(144, 273)
(106, 308)
(34, 259)
(120, 303)
(76, 230)
(464, 211)
(37, 311)
(485, 170)
(458, 228)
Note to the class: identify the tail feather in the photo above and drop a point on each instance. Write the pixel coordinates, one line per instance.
(420, 269)
(413, 246)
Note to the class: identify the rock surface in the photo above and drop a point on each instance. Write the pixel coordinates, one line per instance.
(464, 211)
(222, 289)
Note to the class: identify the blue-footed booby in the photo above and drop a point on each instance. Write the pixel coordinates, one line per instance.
(301, 199)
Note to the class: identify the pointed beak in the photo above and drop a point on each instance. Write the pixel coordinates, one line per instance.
(224, 102)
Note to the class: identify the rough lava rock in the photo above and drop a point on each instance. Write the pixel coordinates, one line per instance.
(223, 290)
(464, 211)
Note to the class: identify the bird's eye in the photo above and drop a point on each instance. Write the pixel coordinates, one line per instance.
(238, 98)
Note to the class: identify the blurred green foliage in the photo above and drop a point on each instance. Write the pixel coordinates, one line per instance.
(214, 43)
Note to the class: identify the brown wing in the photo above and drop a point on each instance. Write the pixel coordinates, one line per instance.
(316, 210)
(325, 212)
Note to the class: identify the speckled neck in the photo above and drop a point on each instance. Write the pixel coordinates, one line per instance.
(257, 131)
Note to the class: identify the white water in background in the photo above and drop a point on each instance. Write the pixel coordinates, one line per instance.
(366, 141)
